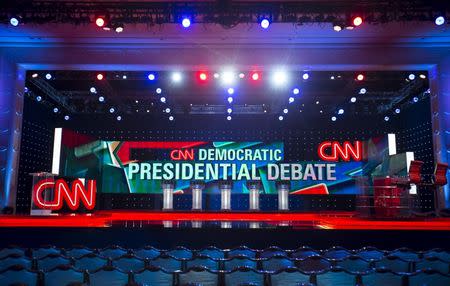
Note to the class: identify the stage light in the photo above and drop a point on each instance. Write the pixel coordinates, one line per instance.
(67, 117)
(265, 23)
(186, 22)
(228, 117)
(151, 76)
(305, 76)
(397, 110)
(167, 110)
(48, 76)
(100, 21)
(279, 78)
(35, 75)
(176, 77)
(332, 77)
(440, 20)
(93, 90)
(229, 110)
(119, 118)
(99, 76)
(285, 111)
(333, 118)
(411, 76)
(360, 77)
(353, 99)
(357, 21)
(137, 101)
(362, 91)
(337, 28)
(111, 110)
(124, 76)
(296, 91)
(163, 99)
(291, 99)
(101, 99)
(119, 28)
(422, 76)
(38, 98)
(415, 99)
(55, 110)
(230, 90)
(228, 77)
(317, 102)
(14, 21)
(216, 75)
(241, 75)
(341, 111)
(158, 90)
(255, 76)
(280, 117)
(386, 118)
(25, 89)
(230, 99)
(171, 118)
(203, 76)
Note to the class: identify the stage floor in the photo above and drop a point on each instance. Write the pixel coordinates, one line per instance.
(134, 219)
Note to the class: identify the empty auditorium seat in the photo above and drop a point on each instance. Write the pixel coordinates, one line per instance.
(242, 251)
(272, 251)
(203, 261)
(433, 263)
(18, 274)
(63, 275)
(153, 276)
(15, 259)
(11, 250)
(108, 276)
(90, 262)
(147, 252)
(112, 252)
(240, 261)
(304, 252)
(51, 261)
(336, 277)
(78, 251)
(286, 277)
(244, 276)
(370, 253)
(382, 277)
(167, 263)
(336, 253)
(313, 264)
(394, 264)
(212, 252)
(276, 263)
(129, 262)
(429, 278)
(38, 253)
(354, 264)
(180, 253)
(406, 254)
(198, 275)
(439, 253)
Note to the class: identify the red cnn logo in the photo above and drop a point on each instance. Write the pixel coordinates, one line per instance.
(333, 151)
(178, 155)
(61, 191)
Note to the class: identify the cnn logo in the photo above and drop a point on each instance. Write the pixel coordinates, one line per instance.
(333, 151)
(61, 192)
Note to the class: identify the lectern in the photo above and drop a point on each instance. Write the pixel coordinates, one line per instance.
(225, 195)
(197, 190)
(167, 188)
(283, 188)
(253, 195)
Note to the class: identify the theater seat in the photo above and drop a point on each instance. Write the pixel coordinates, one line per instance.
(212, 252)
(63, 275)
(406, 254)
(242, 251)
(90, 262)
(242, 276)
(11, 250)
(18, 274)
(276, 263)
(199, 275)
(129, 262)
(108, 276)
(336, 277)
(354, 264)
(51, 261)
(167, 263)
(289, 277)
(237, 262)
(336, 253)
(180, 253)
(203, 261)
(153, 276)
(272, 251)
(313, 264)
(304, 252)
(147, 252)
(393, 263)
(15, 259)
(433, 263)
(78, 251)
(382, 277)
(112, 252)
(41, 252)
(370, 253)
(429, 278)
(439, 253)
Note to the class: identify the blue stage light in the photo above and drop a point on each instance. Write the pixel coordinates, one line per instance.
(285, 111)
(291, 99)
(386, 118)
(411, 76)
(111, 110)
(230, 99)
(333, 118)
(186, 22)
(228, 117)
(362, 91)
(163, 99)
(38, 98)
(341, 111)
(55, 110)
(119, 118)
(171, 118)
(151, 76)
(296, 91)
(230, 90)
(265, 23)
(93, 90)
(280, 117)
(67, 117)
(440, 20)
(229, 110)
(305, 76)
(353, 99)
(397, 110)
(14, 21)
(48, 76)
(158, 90)
(415, 99)
(101, 99)
(167, 110)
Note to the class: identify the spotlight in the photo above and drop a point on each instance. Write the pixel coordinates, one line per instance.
(176, 77)
(111, 110)
(337, 27)
(415, 99)
(101, 99)
(317, 102)
(332, 77)
(341, 111)
(411, 76)
(229, 110)
(360, 77)
(265, 23)
(151, 76)
(93, 90)
(279, 78)
(35, 75)
(14, 21)
(119, 28)
(291, 99)
(163, 99)
(422, 76)
(357, 21)
(333, 118)
(255, 76)
(186, 22)
(171, 118)
(119, 118)
(230, 99)
(230, 90)
(100, 21)
(296, 91)
(440, 20)
(67, 117)
(55, 110)
(158, 90)
(216, 75)
(229, 117)
(167, 110)
(38, 98)
(241, 75)
(280, 117)
(124, 76)
(228, 77)
(362, 91)
(203, 76)
(285, 111)
(305, 76)
(99, 76)
(397, 110)
(48, 76)
(353, 99)
(25, 89)
(386, 118)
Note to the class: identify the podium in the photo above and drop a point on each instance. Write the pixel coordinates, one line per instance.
(197, 193)
(167, 188)
(225, 195)
(253, 195)
(283, 188)
(47, 196)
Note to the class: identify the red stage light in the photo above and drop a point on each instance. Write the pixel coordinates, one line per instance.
(99, 21)
(357, 21)
(99, 76)
(360, 77)
(255, 76)
(203, 76)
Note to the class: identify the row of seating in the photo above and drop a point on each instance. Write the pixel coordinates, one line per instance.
(314, 264)
(199, 276)
(334, 253)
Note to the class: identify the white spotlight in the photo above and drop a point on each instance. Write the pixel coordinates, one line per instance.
(93, 90)
(411, 76)
(415, 99)
(305, 76)
(280, 117)
(296, 91)
(67, 117)
(101, 99)
(228, 77)
(362, 91)
(341, 111)
(176, 77)
(38, 98)
(265, 23)
(353, 99)
(14, 21)
(229, 110)
(228, 117)
(158, 90)
(386, 118)
(279, 78)
(163, 99)
(422, 76)
(167, 110)
(230, 90)
(397, 110)
(151, 76)
(333, 118)
(440, 20)
(230, 99)
(55, 110)
(119, 118)
(216, 75)
(291, 99)
(111, 110)
(171, 118)
(48, 76)
(285, 111)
